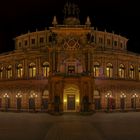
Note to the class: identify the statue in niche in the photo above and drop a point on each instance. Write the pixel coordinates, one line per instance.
(53, 38)
(90, 38)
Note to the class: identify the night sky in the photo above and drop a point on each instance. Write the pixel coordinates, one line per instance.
(18, 16)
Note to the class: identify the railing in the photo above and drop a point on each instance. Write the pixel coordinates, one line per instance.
(72, 74)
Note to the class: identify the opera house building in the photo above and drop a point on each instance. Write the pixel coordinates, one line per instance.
(70, 67)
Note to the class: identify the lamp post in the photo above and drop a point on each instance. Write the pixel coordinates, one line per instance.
(33, 96)
(135, 96)
(122, 96)
(108, 96)
(18, 97)
(6, 97)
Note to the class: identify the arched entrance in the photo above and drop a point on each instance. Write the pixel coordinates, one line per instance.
(71, 98)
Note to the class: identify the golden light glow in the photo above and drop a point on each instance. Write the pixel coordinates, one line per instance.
(65, 100)
(77, 100)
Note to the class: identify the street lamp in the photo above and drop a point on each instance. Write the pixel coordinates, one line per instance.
(108, 96)
(122, 96)
(19, 96)
(135, 96)
(6, 97)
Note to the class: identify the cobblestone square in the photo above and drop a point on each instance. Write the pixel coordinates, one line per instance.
(41, 126)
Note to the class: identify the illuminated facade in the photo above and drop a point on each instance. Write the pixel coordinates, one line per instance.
(70, 68)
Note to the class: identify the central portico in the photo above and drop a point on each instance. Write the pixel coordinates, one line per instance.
(71, 93)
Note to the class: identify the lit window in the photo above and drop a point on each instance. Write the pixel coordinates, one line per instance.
(19, 71)
(131, 72)
(96, 69)
(32, 70)
(9, 72)
(109, 70)
(121, 71)
(46, 69)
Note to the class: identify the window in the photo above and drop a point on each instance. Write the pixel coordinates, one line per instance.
(100, 40)
(46, 69)
(121, 45)
(109, 70)
(41, 40)
(19, 44)
(1, 72)
(32, 70)
(9, 72)
(19, 71)
(96, 69)
(33, 41)
(71, 69)
(121, 71)
(115, 43)
(131, 72)
(25, 42)
(108, 42)
(96, 93)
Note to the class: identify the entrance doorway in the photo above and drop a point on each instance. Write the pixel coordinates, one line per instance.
(18, 103)
(32, 103)
(71, 98)
(71, 102)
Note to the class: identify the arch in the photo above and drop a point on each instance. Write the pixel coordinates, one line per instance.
(32, 100)
(110, 100)
(96, 69)
(131, 72)
(45, 69)
(32, 70)
(9, 71)
(109, 70)
(19, 71)
(122, 100)
(121, 71)
(45, 100)
(97, 99)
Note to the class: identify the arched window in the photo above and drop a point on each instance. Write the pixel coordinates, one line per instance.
(121, 71)
(1, 72)
(9, 71)
(96, 69)
(46, 69)
(109, 70)
(32, 70)
(131, 72)
(19, 71)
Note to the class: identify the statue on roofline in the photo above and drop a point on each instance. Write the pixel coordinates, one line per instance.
(71, 10)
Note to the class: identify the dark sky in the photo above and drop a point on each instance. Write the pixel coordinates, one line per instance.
(19, 16)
